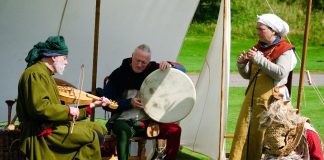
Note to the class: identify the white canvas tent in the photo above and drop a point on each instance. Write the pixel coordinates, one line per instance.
(204, 128)
(124, 24)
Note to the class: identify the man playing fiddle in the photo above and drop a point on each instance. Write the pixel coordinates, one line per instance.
(45, 122)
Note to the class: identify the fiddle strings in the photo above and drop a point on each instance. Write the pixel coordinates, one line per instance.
(78, 99)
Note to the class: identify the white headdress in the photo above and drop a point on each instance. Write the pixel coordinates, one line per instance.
(276, 23)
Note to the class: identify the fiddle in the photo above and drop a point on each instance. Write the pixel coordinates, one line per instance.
(71, 95)
(61, 82)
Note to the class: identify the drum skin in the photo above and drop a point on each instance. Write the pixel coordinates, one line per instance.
(168, 96)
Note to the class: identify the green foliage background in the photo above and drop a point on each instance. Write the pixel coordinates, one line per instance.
(244, 12)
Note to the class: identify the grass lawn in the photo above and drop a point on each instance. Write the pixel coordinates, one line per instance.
(193, 52)
(187, 154)
(195, 48)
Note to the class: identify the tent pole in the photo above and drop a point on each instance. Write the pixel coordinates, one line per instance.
(95, 54)
(223, 76)
(302, 68)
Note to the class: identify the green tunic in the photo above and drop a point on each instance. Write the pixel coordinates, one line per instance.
(39, 108)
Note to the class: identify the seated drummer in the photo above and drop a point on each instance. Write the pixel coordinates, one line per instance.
(129, 119)
(45, 122)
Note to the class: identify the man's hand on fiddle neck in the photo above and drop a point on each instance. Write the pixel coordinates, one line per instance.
(102, 102)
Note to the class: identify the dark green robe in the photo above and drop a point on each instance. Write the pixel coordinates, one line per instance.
(39, 108)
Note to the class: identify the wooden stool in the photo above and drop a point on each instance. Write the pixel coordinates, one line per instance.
(10, 145)
(141, 142)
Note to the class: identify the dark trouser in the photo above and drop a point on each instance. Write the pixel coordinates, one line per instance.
(169, 131)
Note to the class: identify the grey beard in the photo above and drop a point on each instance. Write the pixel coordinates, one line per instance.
(59, 67)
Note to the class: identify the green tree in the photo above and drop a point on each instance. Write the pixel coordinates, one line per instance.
(207, 11)
(318, 4)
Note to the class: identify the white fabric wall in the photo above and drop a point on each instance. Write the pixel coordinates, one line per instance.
(202, 128)
(124, 24)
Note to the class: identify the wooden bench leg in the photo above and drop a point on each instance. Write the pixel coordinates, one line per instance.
(141, 149)
(141, 142)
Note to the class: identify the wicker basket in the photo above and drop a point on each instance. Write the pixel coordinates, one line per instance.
(9, 145)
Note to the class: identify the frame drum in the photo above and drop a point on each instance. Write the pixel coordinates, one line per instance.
(168, 96)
